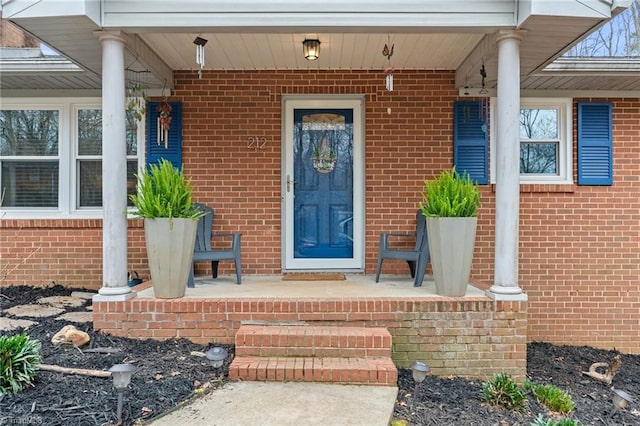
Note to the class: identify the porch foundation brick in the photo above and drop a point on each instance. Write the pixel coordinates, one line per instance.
(485, 340)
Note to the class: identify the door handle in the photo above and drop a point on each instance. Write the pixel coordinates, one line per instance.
(289, 182)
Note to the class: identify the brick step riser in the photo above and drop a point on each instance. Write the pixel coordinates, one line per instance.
(370, 371)
(313, 337)
(296, 351)
(347, 355)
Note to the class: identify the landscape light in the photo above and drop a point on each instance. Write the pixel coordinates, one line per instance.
(121, 374)
(217, 355)
(419, 371)
(620, 400)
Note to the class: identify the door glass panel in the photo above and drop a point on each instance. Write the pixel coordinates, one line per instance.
(323, 192)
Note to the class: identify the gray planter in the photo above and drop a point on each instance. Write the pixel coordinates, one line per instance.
(170, 254)
(451, 244)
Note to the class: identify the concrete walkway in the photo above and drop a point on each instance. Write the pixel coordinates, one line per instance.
(287, 404)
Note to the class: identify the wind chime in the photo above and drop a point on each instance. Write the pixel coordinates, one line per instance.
(164, 122)
(483, 109)
(388, 53)
(200, 42)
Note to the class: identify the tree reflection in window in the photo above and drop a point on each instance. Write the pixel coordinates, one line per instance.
(539, 141)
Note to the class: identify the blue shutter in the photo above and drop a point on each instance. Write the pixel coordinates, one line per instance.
(470, 142)
(595, 144)
(173, 152)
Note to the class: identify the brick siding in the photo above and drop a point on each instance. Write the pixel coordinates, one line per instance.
(579, 245)
(13, 36)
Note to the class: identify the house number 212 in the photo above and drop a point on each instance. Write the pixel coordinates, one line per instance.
(256, 142)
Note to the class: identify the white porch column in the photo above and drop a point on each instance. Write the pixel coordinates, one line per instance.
(507, 166)
(114, 168)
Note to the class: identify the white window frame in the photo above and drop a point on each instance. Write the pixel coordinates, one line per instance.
(67, 157)
(565, 150)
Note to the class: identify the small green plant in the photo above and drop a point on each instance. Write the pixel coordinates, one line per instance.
(450, 195)
(503, 390)
(327, 153)
(19, 360)
(541, 421)
(551, 397)
(163, 191)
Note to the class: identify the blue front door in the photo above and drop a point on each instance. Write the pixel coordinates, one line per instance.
(323, 188)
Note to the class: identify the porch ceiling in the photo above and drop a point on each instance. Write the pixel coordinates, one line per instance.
(251, 51)
(460, 49)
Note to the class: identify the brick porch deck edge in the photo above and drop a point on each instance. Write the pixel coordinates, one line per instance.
(470, 336)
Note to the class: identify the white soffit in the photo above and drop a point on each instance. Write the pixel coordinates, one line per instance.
(337, 51)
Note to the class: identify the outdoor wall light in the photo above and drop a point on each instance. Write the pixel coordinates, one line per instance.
(620, 400)
(419, 371)
(311, 49)
(121, 374)
(217, 355)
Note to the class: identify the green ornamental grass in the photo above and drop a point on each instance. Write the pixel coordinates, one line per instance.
(503, 390)
(19, 361)
(450, 195)
(551, 397)
(163, 191)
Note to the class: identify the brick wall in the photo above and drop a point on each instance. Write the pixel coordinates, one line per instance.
(580, 250)
(13, 36)
(473, 338)
(579, 245)
(68, 252)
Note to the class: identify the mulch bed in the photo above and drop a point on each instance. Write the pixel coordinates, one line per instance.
(168, 373)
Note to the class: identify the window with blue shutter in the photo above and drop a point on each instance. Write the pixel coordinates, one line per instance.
(156, 149)
(595, 143)
(470, 141)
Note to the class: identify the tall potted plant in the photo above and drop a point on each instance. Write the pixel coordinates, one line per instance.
(163, 199)
(450, 204)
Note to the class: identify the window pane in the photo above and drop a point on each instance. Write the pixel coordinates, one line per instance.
(89, 132)
(539, 158)
(90, 185)
(30, 184)
(90, 175)
(539, 124)
(29, 132)
(132, 135)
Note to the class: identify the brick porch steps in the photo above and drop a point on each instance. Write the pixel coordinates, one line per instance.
(348, 355)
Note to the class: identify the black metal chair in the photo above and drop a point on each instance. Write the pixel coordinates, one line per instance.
(417, 258)
(203, 251)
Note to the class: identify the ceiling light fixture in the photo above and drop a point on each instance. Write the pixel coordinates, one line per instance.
(311, 49)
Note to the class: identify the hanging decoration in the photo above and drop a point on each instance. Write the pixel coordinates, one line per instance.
(324, 157)
(164, 122)
(136, 95)
(200, 42)
(136, 102)
(388, 53)
(483, 109)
